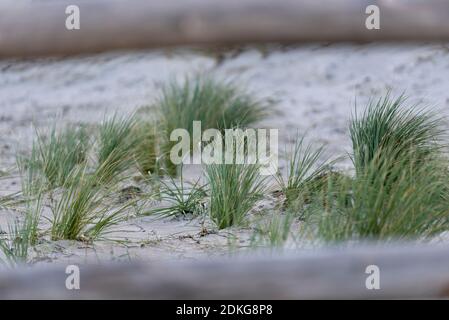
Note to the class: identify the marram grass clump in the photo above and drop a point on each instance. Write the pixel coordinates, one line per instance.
(401, 185)
(388, 200)
(391, 125)
(84, 210)
(216, 104)
(22, 233)
(54, 156)
(234, 190)
(147, 153)
(275, 231)
(181, 198)
(306, 173)
(117, 142)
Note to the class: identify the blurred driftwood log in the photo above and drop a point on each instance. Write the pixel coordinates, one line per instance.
(38, 28)
(405, 272)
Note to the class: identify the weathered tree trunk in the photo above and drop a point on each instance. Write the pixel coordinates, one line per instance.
(34, 29)
(405, 272)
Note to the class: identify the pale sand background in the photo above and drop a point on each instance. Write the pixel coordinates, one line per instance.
(314, 89)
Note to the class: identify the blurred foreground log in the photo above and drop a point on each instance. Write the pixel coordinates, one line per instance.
(38, 28)
(405, 272)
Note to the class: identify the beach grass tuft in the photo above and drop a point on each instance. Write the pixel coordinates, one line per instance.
(117, 143)
(306, 171)
(85, 210)
(401, 186)
(234, 190)
(215, 103)
(56, 155)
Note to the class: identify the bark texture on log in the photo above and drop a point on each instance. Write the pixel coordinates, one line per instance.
(405, 272)
(38, 28)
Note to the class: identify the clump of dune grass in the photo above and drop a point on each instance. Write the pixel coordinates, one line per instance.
(56, 155)
(33, 211)
(216, 104)
(234, 190)
(117, 141)
(14, 246)
(274, 231)
(392, 124)
(146, 151)
(84, 210)
(389, 199)
(401, 186)
(182, 198)
(306, 172)
(23, 234)
(33, 182)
